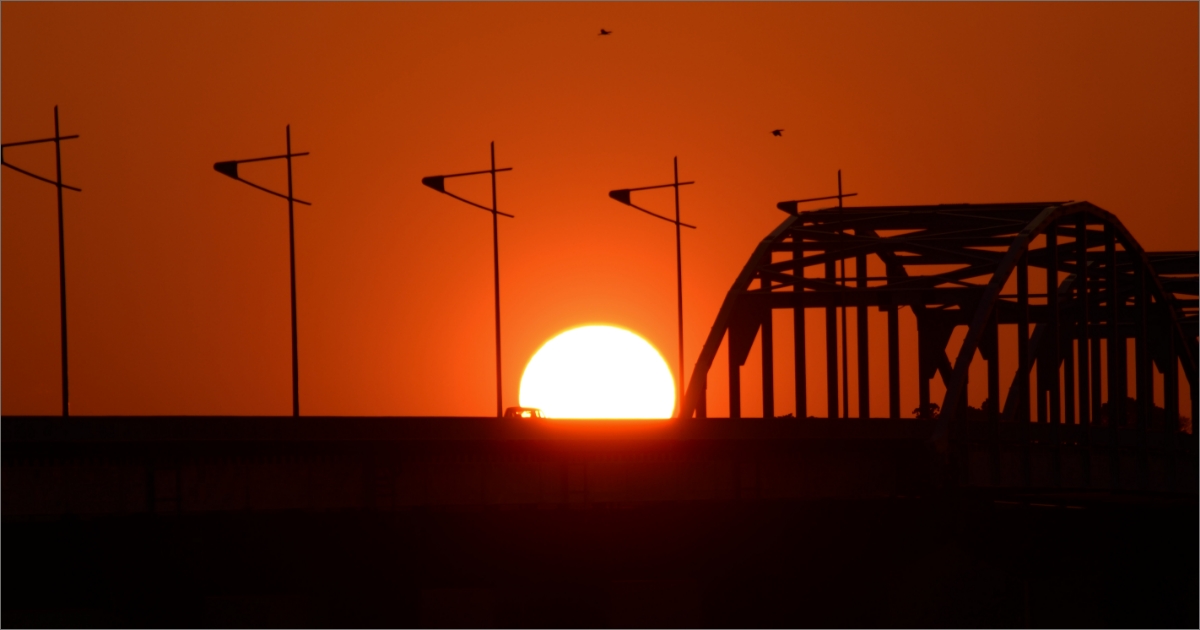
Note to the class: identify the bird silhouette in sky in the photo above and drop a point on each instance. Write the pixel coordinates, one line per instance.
(777, 132)
(605, 32)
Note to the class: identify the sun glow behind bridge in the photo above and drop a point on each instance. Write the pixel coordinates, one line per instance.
(598, 372)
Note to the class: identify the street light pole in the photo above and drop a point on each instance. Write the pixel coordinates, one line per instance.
(230, 169)
(845, 343)
(438, 183)
(679, 279)
(292, 260)
(622, 195)
(496, 282)
(62, 252)
(62, 264)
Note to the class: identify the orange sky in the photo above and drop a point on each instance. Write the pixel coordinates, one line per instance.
(178, 277)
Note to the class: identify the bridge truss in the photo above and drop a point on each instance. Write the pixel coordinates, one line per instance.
(1115, 314)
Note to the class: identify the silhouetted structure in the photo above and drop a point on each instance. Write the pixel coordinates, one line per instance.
(1105, 288)
(62, 256)
(438, 183)
(230, 169)
(623, 195)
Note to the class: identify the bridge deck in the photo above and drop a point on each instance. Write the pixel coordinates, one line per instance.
(127, 465)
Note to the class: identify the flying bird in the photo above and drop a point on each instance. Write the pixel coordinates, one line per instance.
(604, 32)
(777, 132)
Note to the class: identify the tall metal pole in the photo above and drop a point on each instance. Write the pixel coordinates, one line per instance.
(496, 268)
(1083, 334)
(438, 183)
(62, 266)
(679, 281)
(292, 255)
(229, 168)
(845, 344)
(621, 195)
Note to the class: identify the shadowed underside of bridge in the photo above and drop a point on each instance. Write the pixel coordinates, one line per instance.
(1093, 293)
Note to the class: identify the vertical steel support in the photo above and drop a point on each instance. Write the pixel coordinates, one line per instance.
(798, 330)
(1116, 339)
(1087, 377)
(1052, 382)
(1096, 333)
(1023, 359)
(1023, 366)
(991, 342)
(1170, 379)
(1066, 346)
(1043, 370)
(964, 399)
(1116, 358)
(1049, 365)
(735, 379)
(1039, 400)
(924, 364)
(1170, 374)
(864, 359)
(768, 362)
(1144, 382)
(1195, 404)
(893, 344)
(831, 362)
(1084, 298)
(845, 342)
(845, 352)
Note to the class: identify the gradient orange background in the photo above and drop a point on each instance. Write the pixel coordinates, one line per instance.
(178, 277)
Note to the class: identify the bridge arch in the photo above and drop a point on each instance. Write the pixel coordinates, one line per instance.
(1104, 287)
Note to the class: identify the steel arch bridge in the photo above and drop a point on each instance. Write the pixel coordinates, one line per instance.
(968, 265)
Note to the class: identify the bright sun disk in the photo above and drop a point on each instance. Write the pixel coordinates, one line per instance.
(598, 372)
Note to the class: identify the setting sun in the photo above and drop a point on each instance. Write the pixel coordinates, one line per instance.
(598, 372)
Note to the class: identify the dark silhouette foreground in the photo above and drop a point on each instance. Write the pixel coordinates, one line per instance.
(486, 522)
